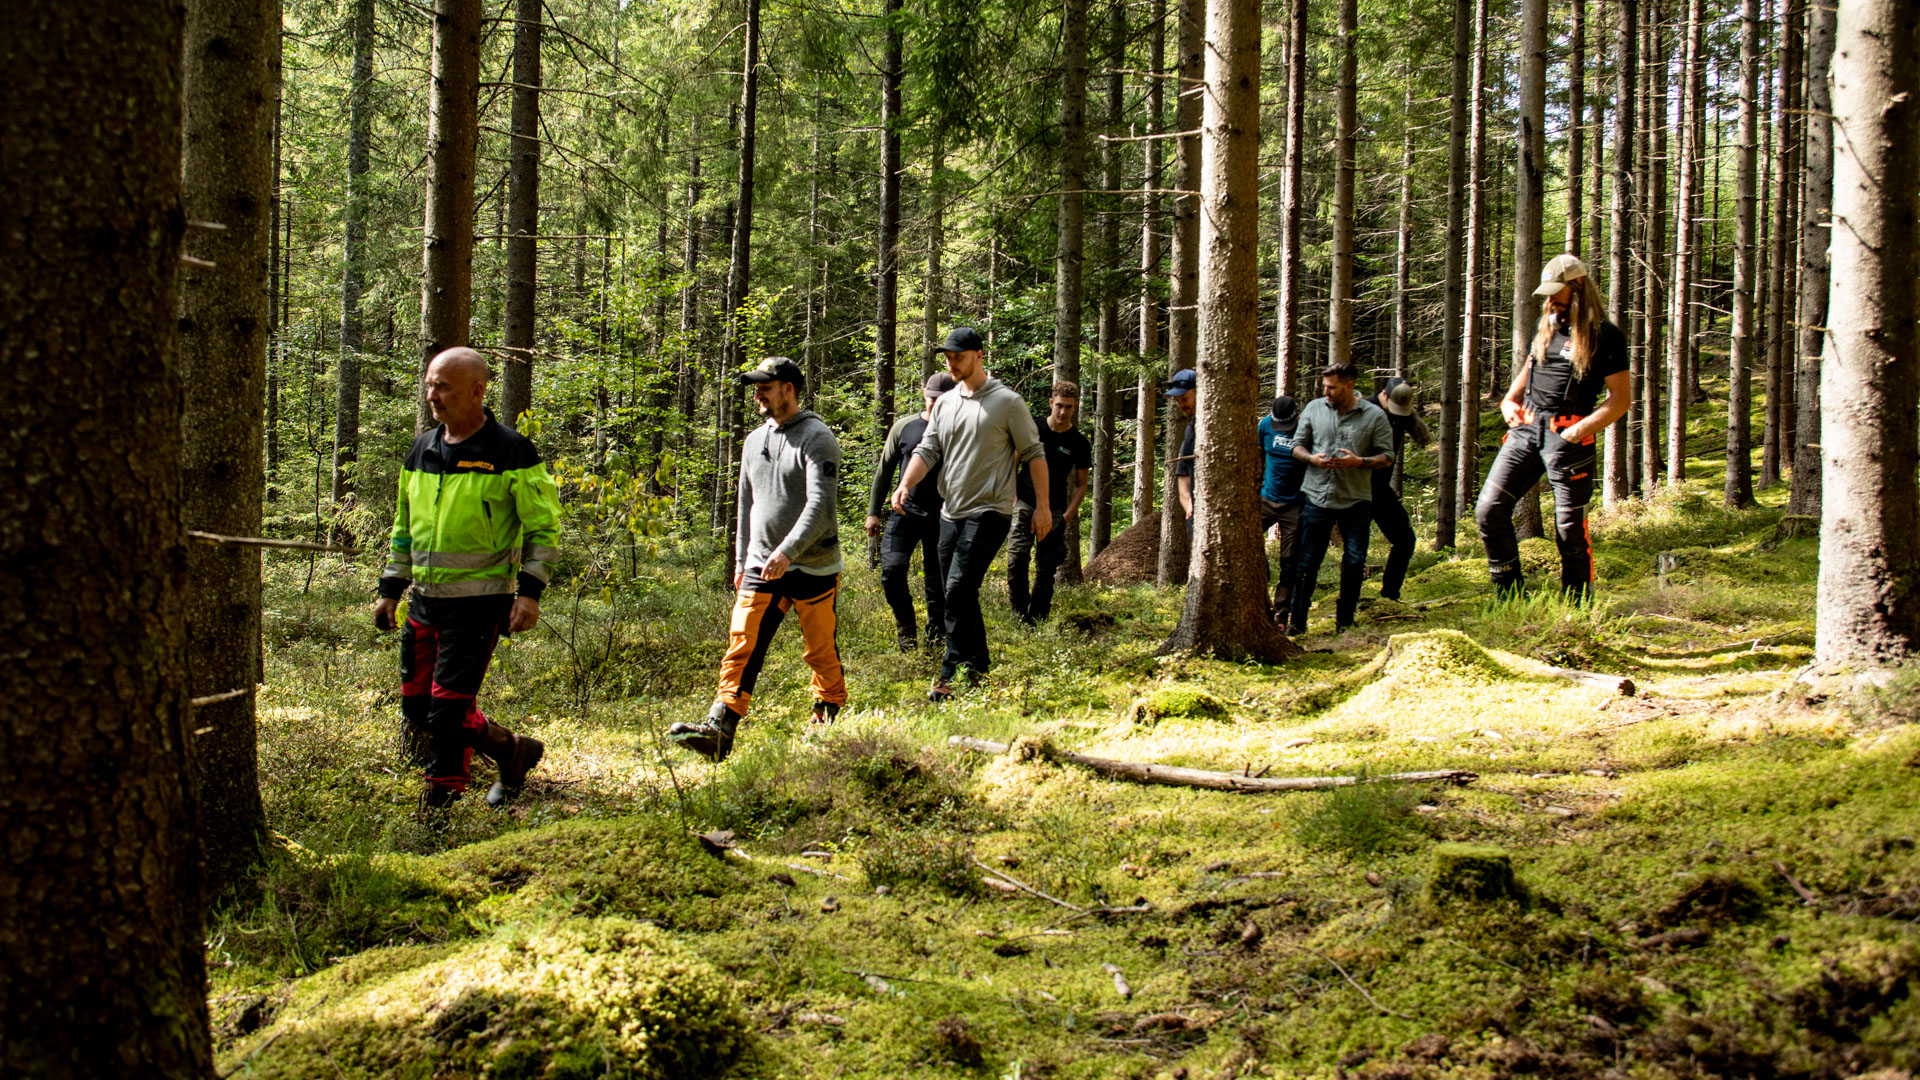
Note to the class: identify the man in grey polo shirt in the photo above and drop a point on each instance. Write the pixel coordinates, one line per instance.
(978, 434)
(1342, 439)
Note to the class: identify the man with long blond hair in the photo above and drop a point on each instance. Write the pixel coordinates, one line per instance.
(1553, 410)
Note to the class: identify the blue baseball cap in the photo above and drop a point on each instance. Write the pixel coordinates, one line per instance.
(1184, 380)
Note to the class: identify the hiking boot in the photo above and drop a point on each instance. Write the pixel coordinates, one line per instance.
(711, 738)
(940, 692)
(824, 712)
(438, 796)
(907, 641)
(514, 755)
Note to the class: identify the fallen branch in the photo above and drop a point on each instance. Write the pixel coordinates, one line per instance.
(1613, 684)
(215, 699)
(1805, 894)
(1119, 981)
(805, 869)
(1024, 887)
(267, 542)
(1178, 776)
(1352, 983)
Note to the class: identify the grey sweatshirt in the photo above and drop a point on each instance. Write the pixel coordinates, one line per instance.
(789, 480)
(980, 440)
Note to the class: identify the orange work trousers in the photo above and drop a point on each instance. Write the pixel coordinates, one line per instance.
(758, 611)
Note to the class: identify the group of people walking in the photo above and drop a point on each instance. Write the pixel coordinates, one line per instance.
(478, 517)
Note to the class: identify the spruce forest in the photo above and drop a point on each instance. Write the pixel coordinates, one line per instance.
(416, 406)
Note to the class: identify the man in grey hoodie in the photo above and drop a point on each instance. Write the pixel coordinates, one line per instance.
(788, 556)
(978, 434)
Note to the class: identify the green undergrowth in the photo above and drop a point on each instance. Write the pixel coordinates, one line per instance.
(1716, 876)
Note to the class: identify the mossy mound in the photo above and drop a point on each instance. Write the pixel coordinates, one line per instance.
(1441, 656)
(1176, 702)
(643, 867)
(579, 998)
(1477, 873)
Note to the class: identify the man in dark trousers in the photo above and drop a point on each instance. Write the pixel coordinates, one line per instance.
(1553, 411)
(787, 557)
(1340, 438)
(474, 535)
(1069, 461)
(978, 434)
(1184, 389)
(918, 527)
(1281, 504)
(1396, 400)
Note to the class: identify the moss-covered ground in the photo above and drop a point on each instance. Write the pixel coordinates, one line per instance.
(1717, 876)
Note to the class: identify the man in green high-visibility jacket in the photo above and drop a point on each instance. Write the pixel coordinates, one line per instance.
(474, 536)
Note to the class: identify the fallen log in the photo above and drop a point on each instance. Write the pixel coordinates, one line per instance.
(1612, 684)
(1178, 776)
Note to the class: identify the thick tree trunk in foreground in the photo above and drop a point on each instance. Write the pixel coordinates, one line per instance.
(1739, 486)
(523, 216)
(232, 66)
(1446, 480)
(1184, 273)
(1069, 254)
(446, 280)
(1816, 211)
(346, 422)
(1147, 404)
(1222, 616)
(1346, 134)
(1869, 608)
(105, 973)
(1619, 458)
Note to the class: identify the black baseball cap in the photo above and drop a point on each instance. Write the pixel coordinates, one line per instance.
(1286, 413)
(775, 368)
(961, 339)
(938, 383)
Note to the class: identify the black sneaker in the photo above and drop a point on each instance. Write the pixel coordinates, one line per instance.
(825, 712)
(907, 642)
(940, 692)
(711, 738)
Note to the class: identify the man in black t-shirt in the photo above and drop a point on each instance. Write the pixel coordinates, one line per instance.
(1069, 459)
(1553, 410)
(916, 527)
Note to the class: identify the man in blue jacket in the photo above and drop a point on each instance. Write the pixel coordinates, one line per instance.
(1281, 503)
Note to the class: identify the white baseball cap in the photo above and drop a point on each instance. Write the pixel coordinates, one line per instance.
(1557, 273)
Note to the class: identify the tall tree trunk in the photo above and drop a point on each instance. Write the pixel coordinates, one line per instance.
(1403, 246)
(888, 260)
(1529, 181)
(1656, 76)
(1597, 126)
(1576, 108)
(1346, 136)
(1447, 468)
(105, 971)
(1816, 213)
(1739, 487)
(232, 70)
(274, 340)
(739, 274)
(1467, 463)
(1780, 283)
(523, 215)
(1681, 315)
(1147, 403)
(1222, 616)
(346, 423)
(1105, 407)
(1869, 612)
(815, 274)
(1618, 461)
(1182, 315)
(1292, 175)
(446, 281)
(1069, 252)
(936, 240)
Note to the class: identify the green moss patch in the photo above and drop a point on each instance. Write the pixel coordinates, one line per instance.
(579, 998)
(1178, 702)
(1471, 872)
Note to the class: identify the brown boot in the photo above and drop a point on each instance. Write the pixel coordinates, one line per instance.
(514, 755)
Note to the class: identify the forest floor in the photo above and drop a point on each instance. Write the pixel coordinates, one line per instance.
(1714, 876)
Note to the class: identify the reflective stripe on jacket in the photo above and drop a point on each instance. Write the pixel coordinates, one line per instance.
(479, 517)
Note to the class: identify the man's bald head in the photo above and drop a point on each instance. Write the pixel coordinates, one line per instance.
(457, 390)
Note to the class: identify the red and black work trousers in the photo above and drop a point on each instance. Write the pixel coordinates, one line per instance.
(758, 610)
(1529, 451)
(444, 652)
